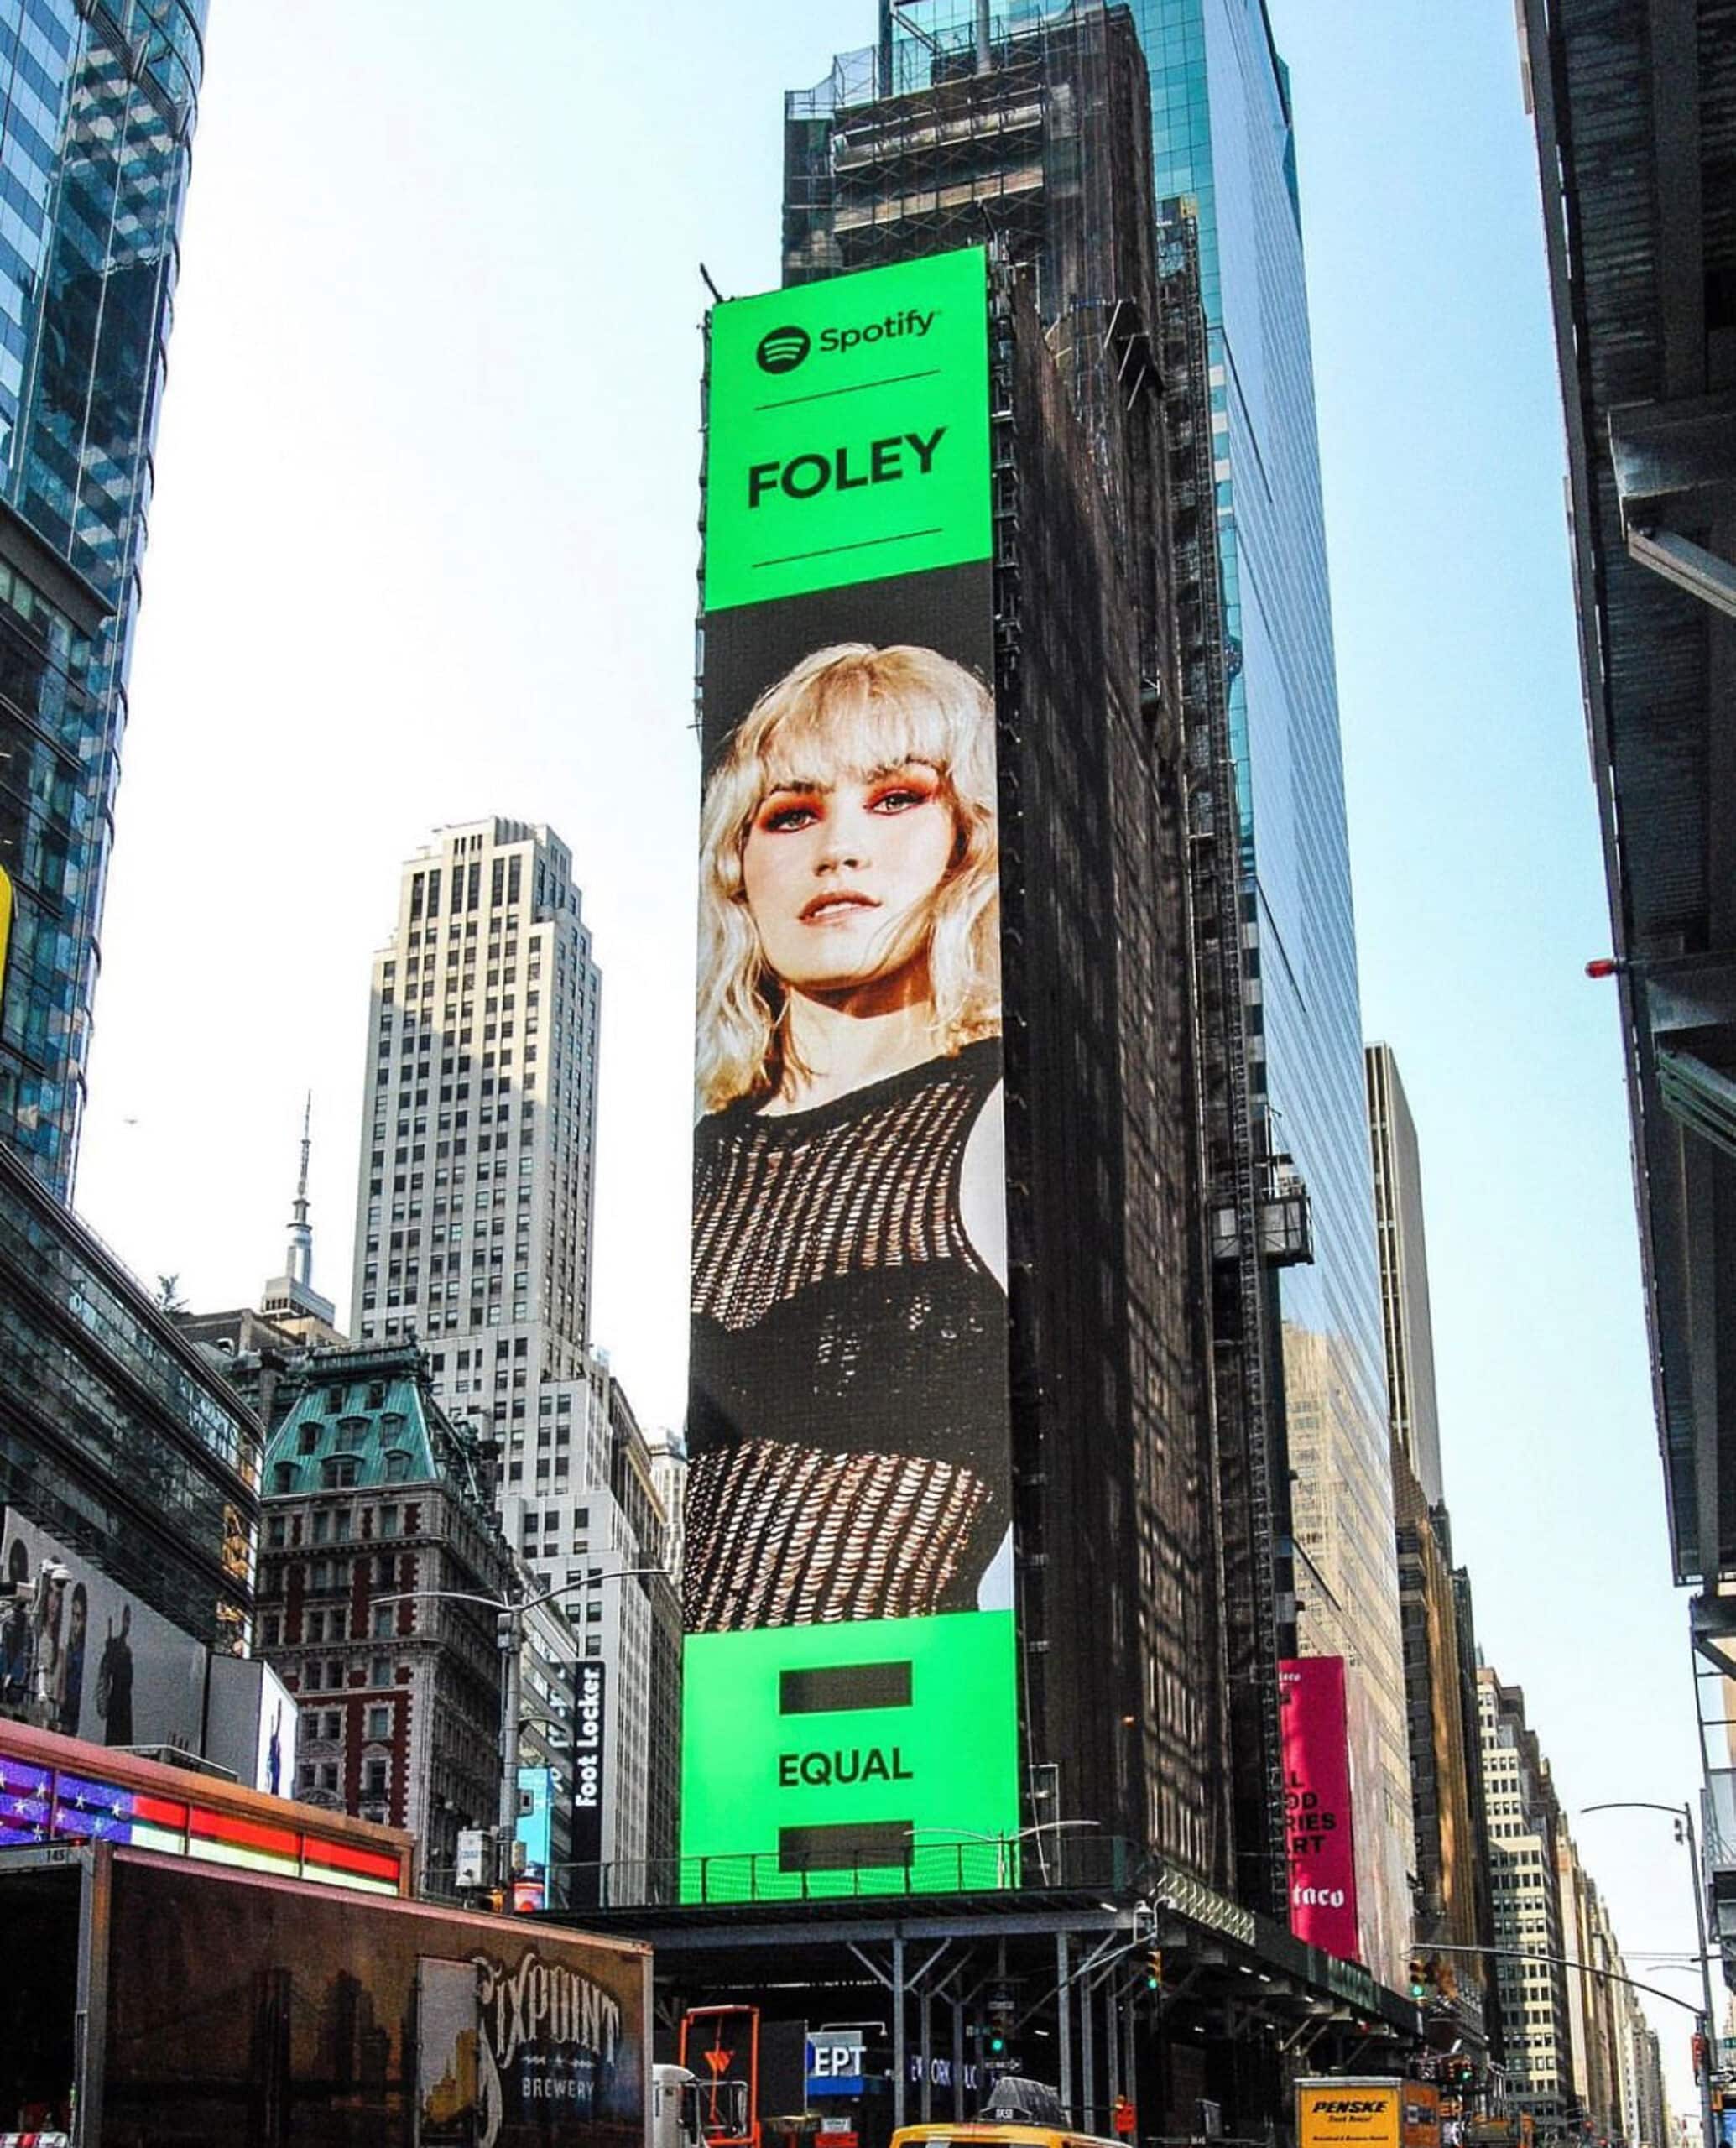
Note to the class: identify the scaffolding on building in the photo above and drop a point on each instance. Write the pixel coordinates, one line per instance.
(1024, 124)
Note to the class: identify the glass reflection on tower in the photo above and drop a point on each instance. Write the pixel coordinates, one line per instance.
(1223, 136)
(95, 133)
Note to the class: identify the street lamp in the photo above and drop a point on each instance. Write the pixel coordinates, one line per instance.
(1684, 1818)
(510, 1613)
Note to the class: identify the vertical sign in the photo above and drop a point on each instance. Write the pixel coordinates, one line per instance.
(1317, 1803)
(534, 1835)
(590, 1711)
(849, 1712)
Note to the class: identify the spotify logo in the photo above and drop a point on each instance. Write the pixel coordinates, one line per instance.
(782, 350)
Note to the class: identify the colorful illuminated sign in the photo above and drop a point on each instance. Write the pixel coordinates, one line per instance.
(850, 1717)
(41, 1803)
(1318, 1819)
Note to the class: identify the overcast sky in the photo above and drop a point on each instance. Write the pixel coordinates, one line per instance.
(423, 549)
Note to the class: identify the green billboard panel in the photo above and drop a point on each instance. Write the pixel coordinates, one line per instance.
(847, 434)
(855, 1757)
(850, 1721)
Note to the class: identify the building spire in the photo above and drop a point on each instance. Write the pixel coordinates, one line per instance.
(301, 1234)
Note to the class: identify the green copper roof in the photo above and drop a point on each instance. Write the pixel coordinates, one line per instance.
(363, 1421)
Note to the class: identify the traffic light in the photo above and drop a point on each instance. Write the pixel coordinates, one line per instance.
(1419, 1977)
(996, 2043)
(1699, 2051)
(1154, 1969)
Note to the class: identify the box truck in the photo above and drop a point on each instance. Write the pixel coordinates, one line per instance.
(157, 2000)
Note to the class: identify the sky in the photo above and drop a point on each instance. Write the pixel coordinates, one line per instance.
(422, 549)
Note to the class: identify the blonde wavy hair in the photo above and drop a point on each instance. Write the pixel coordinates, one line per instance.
(850, 709)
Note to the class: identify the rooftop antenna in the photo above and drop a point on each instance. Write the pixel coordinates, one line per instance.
(301, 1235)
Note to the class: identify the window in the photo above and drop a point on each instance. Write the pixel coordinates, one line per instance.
(373, 1779)
(271, 1630)
(379, 1671)
(277, 1532)
(398, 1469)
(337, 1472)
(379, 1723)
(385, 1621)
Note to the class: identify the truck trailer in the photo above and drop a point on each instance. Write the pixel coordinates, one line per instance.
(153, 2001)
(1367, 2110)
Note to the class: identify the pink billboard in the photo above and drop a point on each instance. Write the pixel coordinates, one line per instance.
(1317, 1803)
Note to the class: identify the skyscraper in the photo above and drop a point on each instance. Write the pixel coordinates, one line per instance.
(860, 191)
(1576, 2051)
(1452, 1893)
(474, 1199)
(473, 1231)
(1403, 1251)
(1224, 138)
(1094, 1364)
(96, 145)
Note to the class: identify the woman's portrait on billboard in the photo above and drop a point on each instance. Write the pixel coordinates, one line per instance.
(847, 1426)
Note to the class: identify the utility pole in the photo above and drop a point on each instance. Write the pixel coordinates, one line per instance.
(1683, 1817)
(509, 1627)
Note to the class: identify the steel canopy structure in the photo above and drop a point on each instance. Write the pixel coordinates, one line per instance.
(1076, 1949)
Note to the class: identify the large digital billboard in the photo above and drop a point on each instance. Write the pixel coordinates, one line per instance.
(82, 1656)
(1317, 1803)
(850, 1713)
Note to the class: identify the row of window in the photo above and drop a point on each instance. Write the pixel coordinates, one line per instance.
(334, 1524)
(323, 1775)
(339, 1472)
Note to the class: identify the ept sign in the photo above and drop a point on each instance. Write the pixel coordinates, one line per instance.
(835, 2062)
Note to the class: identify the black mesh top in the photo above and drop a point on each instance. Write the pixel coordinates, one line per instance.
(847, 1414)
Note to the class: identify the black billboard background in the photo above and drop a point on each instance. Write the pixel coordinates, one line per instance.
(748, 650)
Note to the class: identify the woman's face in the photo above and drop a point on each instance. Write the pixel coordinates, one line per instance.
(840, 876)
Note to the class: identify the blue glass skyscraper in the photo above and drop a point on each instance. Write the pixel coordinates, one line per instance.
(1222, 139)
(97, 104)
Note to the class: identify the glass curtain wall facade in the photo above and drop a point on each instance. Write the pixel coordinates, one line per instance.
(1223, 148)
(95, 133)
(1223, 136)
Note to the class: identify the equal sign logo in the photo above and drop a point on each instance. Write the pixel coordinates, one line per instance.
(840, 1689)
